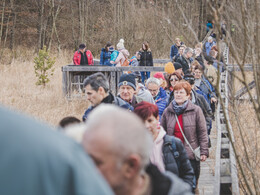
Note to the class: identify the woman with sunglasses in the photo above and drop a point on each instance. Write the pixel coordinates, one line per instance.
(172, 81)
(168, 152)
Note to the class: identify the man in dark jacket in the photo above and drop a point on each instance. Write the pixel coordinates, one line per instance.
(36, 159)
(126, 165)
(97, 90)
(186, 59)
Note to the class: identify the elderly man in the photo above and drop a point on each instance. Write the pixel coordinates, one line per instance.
(97, 91)
(209, 44)
(36, 159)
(159, 94)
(124, 164)
(186, 59)
(127, 89)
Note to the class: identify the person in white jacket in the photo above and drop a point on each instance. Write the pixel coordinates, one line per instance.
(122, 55)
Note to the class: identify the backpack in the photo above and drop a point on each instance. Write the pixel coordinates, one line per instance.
(114, 55)
(126, 62)
(174, 150)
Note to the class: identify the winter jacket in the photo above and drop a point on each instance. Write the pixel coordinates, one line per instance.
(146, 58)
(184, 62)
(122, 56)
(161, 101)
(113, 100)
(105, 56)
(43, 161)
(134, 63)
(77, 58)
(206, 88)
(182, 167)
(194, 127)
(208, 46)
(212, 74)
(200, 60)
(166, 183)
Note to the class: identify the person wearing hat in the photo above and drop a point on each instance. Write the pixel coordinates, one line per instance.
(127, 89)
(83, 56)
(160, 76)
(178, 68)
(97, 91)
(123, 54)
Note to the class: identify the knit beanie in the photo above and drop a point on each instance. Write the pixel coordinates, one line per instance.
(177, 65)
(127, 79)
(159, 75)
(169, 68)
(120, 44)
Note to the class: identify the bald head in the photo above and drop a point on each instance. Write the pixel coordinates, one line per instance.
(116, 138)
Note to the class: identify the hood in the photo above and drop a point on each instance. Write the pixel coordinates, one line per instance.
(125, 52)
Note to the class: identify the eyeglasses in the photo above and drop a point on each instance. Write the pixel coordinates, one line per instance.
(176, 79)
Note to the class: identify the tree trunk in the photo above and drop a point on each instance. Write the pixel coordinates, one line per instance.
(2, 21)
(12, 30)
(40, 25)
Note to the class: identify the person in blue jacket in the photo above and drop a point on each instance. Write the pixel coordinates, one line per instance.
(175, 48)
(36, 159)
(106, 54)
(159, 94)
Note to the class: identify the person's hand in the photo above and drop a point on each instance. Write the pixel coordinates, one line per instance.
(213, 100)
(203, 158)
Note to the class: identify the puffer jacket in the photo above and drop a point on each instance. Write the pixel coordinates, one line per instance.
(105, 56)
(207, 89)
(161, 101)
(146, 58)
(194, 127)
(185, 170)
(122, 56)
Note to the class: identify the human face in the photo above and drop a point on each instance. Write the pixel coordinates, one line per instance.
(180, 96)
(94, 97)
(173, 80)
(153, 88)
(106, 159)
(181, 50)
(126, 92)
(151, 124)
(198, 74)
(178, 42)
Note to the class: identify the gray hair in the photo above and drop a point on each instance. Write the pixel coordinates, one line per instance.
(97, 80)
(187, 50)
(210, 38)
(153, 80)
(125, 129)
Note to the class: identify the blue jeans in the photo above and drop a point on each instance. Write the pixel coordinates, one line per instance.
(144, 76)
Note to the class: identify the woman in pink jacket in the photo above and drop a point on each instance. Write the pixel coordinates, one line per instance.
(122, 55)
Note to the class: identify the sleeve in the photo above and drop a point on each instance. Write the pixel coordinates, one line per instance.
(75, 59)
(186, 172)
(171, 53)
(151, 59)
(201, 130)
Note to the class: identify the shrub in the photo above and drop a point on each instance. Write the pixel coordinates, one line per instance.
(43, 66)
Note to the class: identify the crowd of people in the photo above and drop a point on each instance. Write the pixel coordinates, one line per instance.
(148, 139)
(177, 107)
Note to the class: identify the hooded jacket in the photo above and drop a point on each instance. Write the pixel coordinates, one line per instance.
(194, 127)
(122, 56)
(105, 56)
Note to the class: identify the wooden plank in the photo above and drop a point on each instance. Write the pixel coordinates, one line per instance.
(111, 68)
(243, 91)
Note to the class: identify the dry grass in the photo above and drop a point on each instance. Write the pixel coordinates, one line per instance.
(18, 90)
(246, 119)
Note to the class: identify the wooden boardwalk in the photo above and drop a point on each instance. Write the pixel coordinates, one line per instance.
(207, 169)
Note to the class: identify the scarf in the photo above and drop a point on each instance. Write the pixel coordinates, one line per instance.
(179, 109)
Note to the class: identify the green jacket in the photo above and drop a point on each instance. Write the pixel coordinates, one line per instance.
(36, 160)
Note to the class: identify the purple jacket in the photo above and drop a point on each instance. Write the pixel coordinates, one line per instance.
(194, 127)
